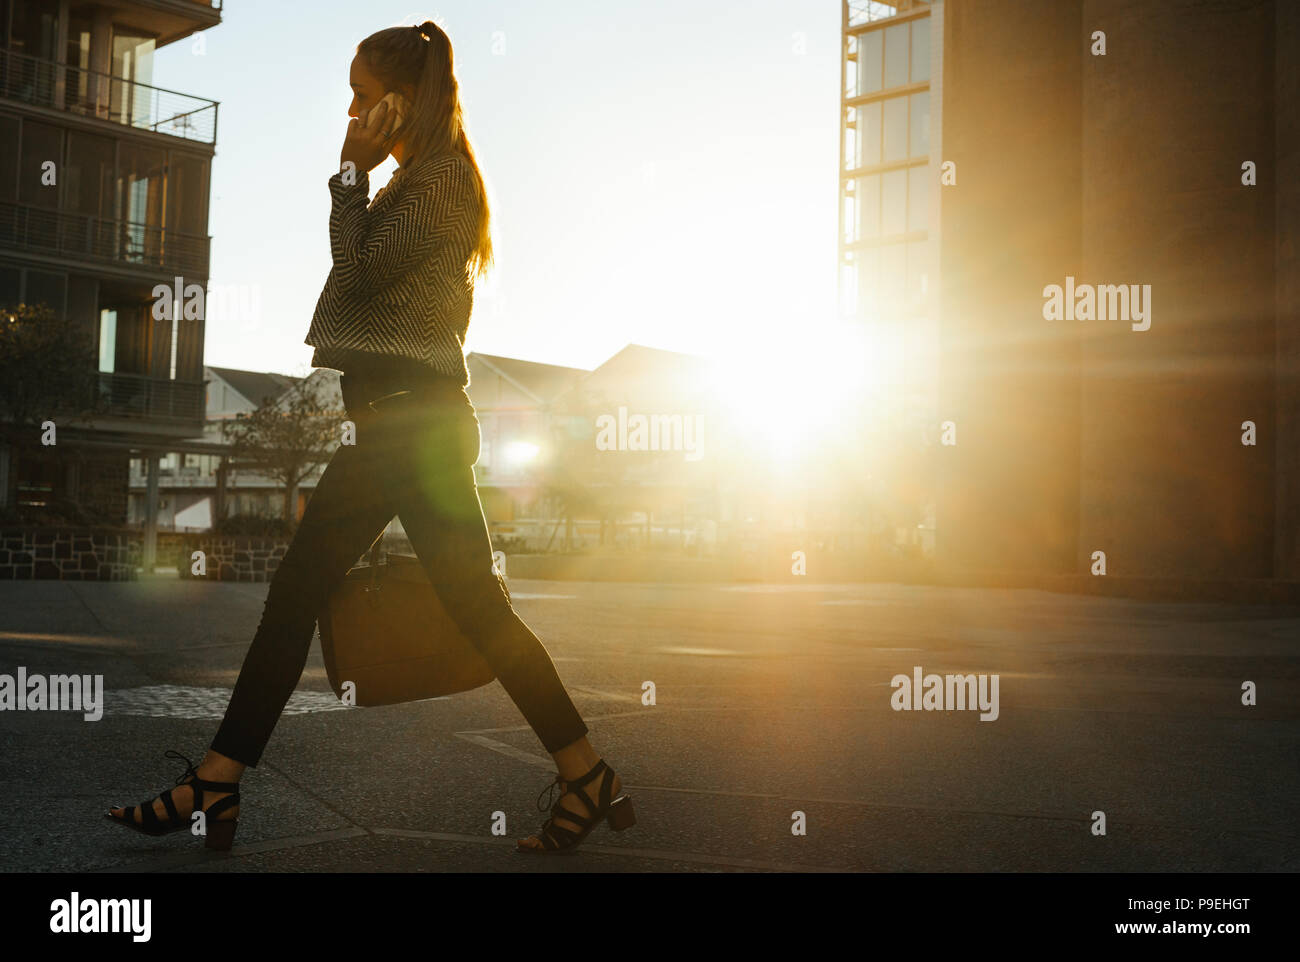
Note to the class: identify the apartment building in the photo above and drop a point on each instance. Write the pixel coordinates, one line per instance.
(125, 210)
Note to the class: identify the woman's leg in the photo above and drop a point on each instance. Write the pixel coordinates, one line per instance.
(347, 511)
(436, 497)
(437, 501)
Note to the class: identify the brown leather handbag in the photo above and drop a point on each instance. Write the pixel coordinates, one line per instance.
(385, 630)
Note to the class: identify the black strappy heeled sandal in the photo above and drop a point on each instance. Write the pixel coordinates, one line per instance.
(220, 833)
(557, 839)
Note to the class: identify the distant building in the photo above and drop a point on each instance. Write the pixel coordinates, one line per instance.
(637, 446)
(513, 401)
(636, 453)
(128, 210)
(191, 494)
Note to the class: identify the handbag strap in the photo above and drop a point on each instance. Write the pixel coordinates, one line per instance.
(372, 591)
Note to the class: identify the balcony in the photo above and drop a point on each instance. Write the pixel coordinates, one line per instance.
(869, 11)
(81, 236)
(88, 93)
(134, 395)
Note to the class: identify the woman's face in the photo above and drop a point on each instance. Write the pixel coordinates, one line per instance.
(367, 90)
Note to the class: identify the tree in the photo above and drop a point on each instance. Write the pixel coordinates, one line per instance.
(575, 479)
(48, 371)
(286, 438)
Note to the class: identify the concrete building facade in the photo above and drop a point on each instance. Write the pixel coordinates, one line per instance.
(1147, 154)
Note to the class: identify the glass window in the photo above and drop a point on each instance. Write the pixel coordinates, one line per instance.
(88, 175)
(83, 300)
(139, 201)
(892, 267)
(35, 29)
(34, 32)
(917, 271)
(77, 80)
(896, 55)
(8, 158)
(895, 129)
(41, 143)
(918, 198)
(133, 64)
(869, 133)
(45, 288)
(893, 203)
(869, 62)
(920, 124)
(868, 285)
(10, 294)
(869, 207)
(187, 191)
(920, 50)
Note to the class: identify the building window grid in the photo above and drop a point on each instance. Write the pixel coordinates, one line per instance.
(118, 206)
(869, 247)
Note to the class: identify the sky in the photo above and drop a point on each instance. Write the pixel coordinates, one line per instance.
(661, 172)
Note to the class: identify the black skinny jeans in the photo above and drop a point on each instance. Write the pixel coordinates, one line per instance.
(413, 458)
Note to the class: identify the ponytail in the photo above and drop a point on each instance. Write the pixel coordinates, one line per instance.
(421, 58)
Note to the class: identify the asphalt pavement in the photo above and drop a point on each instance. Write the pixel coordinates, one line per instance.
(770, 701)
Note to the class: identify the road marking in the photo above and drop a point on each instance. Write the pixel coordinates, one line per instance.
(608, 695)
(503, 749)
(660, 709)
(477, 738)
(861, 601)
(98, 644)
(860, 803)
(182, 859)
(781, 589)
(185, 859)
(617, 714)
(697, 651)
(653, 853)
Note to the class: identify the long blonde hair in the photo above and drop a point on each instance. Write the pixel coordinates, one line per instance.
(421, 57)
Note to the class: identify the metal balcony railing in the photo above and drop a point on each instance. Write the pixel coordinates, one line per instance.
(868, 11)
(134, 395)
(71, 234)
(44, 83)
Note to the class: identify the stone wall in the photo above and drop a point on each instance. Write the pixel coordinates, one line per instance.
(229, 558)
(69, 554)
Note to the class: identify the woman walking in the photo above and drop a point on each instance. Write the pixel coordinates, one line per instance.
(392, 318)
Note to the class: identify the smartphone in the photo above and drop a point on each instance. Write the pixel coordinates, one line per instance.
(396, 104)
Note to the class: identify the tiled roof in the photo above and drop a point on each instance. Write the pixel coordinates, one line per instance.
(255, 386)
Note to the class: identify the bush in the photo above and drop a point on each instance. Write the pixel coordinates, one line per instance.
(253, 525)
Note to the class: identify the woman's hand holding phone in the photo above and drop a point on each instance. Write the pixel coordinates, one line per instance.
(367, 144)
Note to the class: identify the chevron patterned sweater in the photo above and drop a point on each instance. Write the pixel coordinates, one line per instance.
(400, 284)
